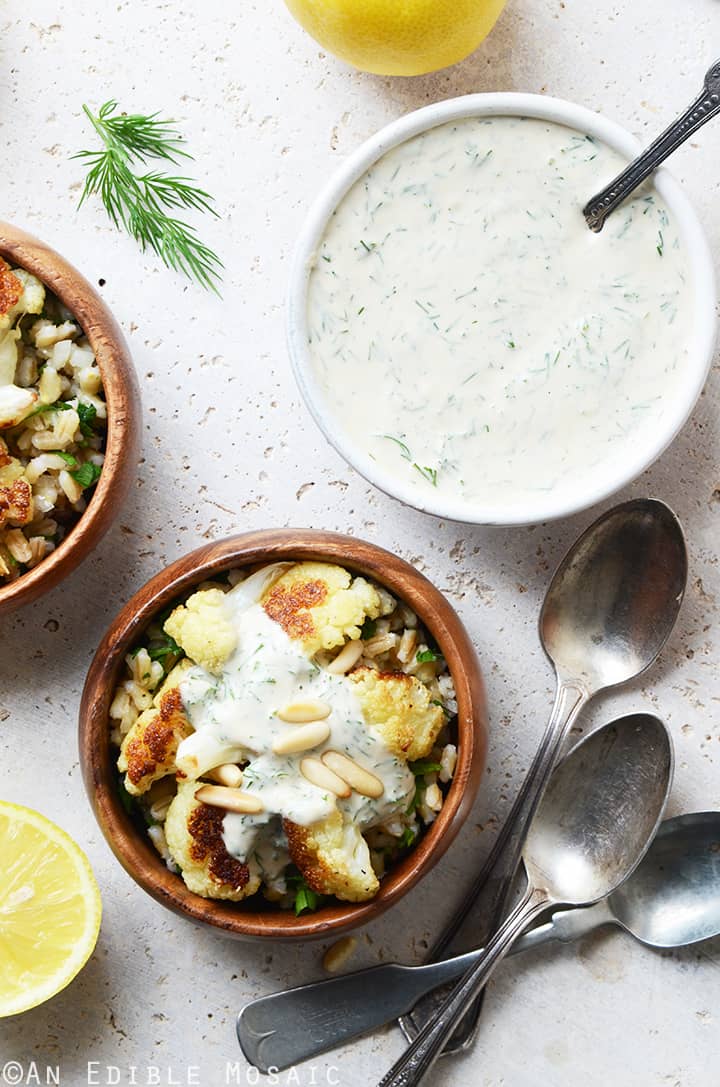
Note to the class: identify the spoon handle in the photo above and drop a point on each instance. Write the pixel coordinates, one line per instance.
(492, 886)
(285, 1028)
(705, 106)
(415, 1063)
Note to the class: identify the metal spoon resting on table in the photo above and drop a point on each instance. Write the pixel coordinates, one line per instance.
(695, 116)
(591, 829)
(672, 899)
(608, 612)
(595, 822)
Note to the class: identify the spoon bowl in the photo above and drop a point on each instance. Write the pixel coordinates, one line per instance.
(673, 898)
(610, 607)
(601, 810)
(614, 599)
(591, 829)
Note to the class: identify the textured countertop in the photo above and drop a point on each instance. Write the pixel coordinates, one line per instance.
(228, 446)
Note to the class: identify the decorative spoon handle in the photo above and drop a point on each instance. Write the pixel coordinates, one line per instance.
(703, 108)
(494, 881)
(416, 1062)
(285, 1028)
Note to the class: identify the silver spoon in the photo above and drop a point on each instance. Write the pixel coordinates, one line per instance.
(702, 109)
(591, 829)
(670, 900)
(609, 610)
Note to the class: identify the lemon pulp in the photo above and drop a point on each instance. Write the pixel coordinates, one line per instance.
(50, 909)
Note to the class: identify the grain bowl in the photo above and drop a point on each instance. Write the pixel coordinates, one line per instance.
(196, 723)
(69, 409)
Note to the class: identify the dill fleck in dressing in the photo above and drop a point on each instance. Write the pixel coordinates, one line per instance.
(472, 335)
(237, 712)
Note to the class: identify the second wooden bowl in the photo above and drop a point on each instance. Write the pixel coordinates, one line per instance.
(122, 397)
(130, 842)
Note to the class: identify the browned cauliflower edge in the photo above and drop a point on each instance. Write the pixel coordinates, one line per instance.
(399, 707)
(193, 832)
(333, 857)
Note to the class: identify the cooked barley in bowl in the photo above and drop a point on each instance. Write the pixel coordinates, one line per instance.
(52, 422)
(288, 732)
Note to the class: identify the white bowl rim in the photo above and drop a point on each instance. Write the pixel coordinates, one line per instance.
(700, 348)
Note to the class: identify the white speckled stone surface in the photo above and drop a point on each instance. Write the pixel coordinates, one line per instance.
(228, 446)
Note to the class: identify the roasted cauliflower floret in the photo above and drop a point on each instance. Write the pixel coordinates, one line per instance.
(321, 605)
(193, 832)
(172, 679)
(149, 750)
(16, 504)
(333, 857)
(20, 292)
(203, 627)
(10, 291)
(32, 298)
(399, 708)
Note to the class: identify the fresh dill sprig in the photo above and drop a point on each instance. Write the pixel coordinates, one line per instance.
(143, 202)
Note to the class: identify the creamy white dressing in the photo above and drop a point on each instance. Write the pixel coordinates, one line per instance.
(471, 335)
(234, 716)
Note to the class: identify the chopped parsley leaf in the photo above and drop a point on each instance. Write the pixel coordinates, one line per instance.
(305, 897)
(87, 474)
(87, 414)
(414, 801)
(58, 405)
(168, 646)
(67, 457)
(408, 837)
(424, 766)
(424, 655)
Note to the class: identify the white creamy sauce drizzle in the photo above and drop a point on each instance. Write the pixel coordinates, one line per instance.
(234, 715)
(471, 334)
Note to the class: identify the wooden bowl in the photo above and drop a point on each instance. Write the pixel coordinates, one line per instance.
(97, 759)
(123, 407)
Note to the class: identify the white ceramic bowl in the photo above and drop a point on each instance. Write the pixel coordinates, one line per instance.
(702, 321)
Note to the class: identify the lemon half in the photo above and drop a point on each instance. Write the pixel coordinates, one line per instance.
(50, 909)
(398, 37)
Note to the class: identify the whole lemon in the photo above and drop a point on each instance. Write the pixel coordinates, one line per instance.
(398, 37)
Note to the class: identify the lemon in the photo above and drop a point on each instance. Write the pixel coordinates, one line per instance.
(398, 37)
(50, 909)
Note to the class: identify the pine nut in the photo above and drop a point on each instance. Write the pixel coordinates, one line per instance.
(317, 773)
(218, 796)
(301, 713)
(360, 779)
(349, 655)
(336, 956)
(227, 774)
(301, 739)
